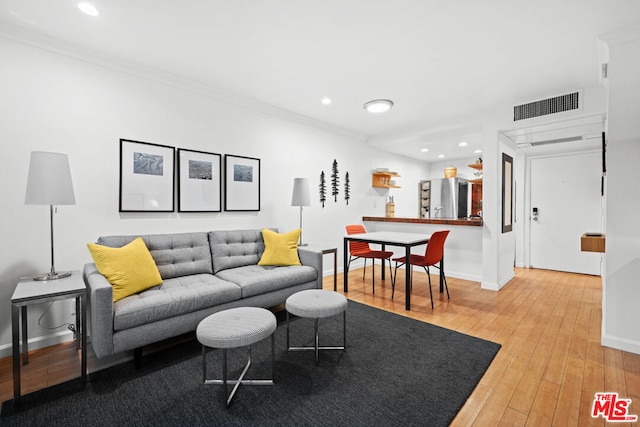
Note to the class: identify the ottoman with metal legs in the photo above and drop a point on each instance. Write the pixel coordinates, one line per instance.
(236, 327)
(315, 304)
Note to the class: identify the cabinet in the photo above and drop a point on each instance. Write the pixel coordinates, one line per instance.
(384, 179)
(424, 194)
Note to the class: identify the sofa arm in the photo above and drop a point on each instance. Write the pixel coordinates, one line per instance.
(313, 258)
(100, 307)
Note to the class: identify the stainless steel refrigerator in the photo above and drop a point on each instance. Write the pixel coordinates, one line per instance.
(449, 198)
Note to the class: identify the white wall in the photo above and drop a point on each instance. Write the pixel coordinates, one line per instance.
(621, 290)
(53, 102)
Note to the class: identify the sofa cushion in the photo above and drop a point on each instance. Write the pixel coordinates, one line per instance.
(256, 280)
(280, 249)
(175, 255)
(174, 297)
(130, 269)
(235, 248)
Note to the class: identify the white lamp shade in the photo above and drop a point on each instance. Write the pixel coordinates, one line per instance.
(301, 195)
(49, 181)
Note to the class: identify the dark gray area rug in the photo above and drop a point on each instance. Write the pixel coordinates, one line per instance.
(396, 371)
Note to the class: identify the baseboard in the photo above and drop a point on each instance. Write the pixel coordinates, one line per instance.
(490, 286)
(621, 344)
(455, 274)
(39, 342)
(497, 286)
(93, 363)
(462, 276)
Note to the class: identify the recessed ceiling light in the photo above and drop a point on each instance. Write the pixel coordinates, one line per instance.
(441, 156)
(463, 144)
(424, 150)
(478, 151)
(88, 8)
(378, 105)
(326, 100)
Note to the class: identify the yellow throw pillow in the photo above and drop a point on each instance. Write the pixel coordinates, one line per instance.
(130, 269)
(280, 249)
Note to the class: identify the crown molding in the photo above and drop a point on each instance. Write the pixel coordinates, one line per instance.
(622, 35)
(80, 53)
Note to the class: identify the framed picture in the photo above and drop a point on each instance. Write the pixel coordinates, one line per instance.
(199, 181)
(507, 193)
(242, 183)
(146, 177)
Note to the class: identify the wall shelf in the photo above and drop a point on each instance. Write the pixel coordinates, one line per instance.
(476, 166)
(384, 179)
(424, 191)
(592, 242)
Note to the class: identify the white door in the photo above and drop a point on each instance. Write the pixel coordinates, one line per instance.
(565, 203)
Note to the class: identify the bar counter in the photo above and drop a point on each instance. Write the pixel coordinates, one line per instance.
(463, 248)
(475, 222)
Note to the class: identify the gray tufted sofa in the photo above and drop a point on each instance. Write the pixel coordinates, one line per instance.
(202, 273)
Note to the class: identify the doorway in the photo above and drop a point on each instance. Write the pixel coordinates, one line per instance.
(564, 203)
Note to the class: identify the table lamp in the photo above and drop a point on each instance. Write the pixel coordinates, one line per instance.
(49, 183)
(301, 197)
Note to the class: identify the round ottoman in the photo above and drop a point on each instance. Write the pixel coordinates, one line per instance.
(316, 304)
(236, 327)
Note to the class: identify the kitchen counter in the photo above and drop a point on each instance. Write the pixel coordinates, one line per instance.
(475, 222)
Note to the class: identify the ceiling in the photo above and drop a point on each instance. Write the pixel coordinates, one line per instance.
(441, 62)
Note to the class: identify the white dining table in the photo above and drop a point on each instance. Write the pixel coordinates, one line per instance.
(391, 238)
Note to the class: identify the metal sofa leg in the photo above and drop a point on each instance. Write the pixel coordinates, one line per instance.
(137, 357)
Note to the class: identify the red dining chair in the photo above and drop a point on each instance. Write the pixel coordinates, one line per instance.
(432, 256)
(362, 250)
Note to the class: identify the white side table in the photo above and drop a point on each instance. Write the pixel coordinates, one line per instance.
(29, 292)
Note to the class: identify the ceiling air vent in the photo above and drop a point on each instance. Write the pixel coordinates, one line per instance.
(544, 107)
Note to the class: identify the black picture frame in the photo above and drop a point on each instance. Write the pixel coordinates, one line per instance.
(242, 183)
(199, 181)
(147, 177)
(507, 193)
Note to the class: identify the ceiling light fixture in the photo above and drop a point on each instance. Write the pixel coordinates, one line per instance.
(326, 100)
(378, 105)
(88, 8)
(425, 150)
(463, 144)
(441, 156)
(478, 151)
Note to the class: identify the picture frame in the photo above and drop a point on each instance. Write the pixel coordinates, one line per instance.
(199, 181)
(147, 175)
(242, 183)
(507, 193)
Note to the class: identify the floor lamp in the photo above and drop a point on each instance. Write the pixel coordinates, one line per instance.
(49, 183)
(301, 197)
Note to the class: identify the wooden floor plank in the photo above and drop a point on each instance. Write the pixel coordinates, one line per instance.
(513, 418)
(544, 405)
(567, 411)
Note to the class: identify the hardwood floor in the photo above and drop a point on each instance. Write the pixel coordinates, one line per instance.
(549, 367)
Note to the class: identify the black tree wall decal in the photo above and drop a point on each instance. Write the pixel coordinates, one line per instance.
(335, 181)
(323, 189)
(347, 188)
